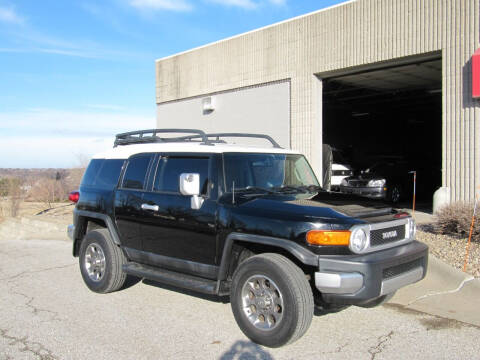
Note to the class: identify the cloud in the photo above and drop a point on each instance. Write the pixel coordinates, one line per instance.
(29, 40)
(186, 5)
(93, 52)
(173, 5)
(245, 4)
(108, 107)
(12, 50)
(73, 53)
(49, 152)
(54, 138)
(75, 122)
(9, 15)
(248, 4)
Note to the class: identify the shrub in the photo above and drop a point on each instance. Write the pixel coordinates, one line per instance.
(13, 193)
(456, 218)
(16, 196)
(4, 186)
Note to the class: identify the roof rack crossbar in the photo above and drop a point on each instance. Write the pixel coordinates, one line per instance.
(150, 135)
(245, 135)
(223, 135)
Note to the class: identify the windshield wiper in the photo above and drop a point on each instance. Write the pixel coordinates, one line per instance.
(312, 188)
(290, 188)
(254, 190)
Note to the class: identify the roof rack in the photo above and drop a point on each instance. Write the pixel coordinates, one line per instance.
(245, 135)
(150, 136)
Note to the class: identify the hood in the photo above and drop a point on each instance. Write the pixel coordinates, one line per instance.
(341, 167)
(324, 205)
(367, 176)
(351, 205)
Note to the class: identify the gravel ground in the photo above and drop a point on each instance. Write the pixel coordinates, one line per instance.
(451, 249)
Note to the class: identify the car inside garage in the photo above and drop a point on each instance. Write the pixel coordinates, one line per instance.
(389, 114)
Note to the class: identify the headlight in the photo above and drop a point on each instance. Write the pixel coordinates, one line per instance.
(344, 182)
(412, 229)
(358, 240)
(376, 183)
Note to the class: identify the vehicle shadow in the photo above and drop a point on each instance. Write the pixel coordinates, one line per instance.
(246, 350)
(319, 311)
(131, 280)
(215, 298)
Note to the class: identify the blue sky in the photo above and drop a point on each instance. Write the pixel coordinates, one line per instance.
(73, 73)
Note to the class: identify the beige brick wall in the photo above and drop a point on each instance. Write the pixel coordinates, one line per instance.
(352, 34)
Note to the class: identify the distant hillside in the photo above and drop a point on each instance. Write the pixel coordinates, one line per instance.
(46, 185)
(26, 174)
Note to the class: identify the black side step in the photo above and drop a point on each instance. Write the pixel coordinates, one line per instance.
(171, 278)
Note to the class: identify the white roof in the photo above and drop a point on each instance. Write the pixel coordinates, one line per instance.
(125, 151)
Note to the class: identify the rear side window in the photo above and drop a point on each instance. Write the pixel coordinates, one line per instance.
(103, 173)
(136, 173)
(109, 173)
(92, 171)
(170, 168)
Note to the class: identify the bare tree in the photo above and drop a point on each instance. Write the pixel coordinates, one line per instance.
(74, 178)
(16, 195)
(82, 160)
(2, 210)
(12, 195)
(48, 191)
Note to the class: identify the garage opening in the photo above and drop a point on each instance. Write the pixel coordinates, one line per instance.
(388, 119)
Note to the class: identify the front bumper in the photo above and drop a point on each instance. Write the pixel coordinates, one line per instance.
(370, 192)
(360, 278)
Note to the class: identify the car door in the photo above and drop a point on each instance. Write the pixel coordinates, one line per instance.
(175, 236)
(128, 200)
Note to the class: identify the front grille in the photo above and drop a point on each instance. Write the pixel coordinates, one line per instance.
(387, 235)
(342, 172)
(402, 268)
(357, 183)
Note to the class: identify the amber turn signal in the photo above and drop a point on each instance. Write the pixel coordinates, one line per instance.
(328, 237)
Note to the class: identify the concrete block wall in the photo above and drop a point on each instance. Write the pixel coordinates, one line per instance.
(343, 37)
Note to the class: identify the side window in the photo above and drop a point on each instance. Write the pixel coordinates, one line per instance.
(136, 173)
(92, 171)
(109, 173)
(170, 168)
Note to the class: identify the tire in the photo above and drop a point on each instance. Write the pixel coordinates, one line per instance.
(394, 194)
(286, 304)
(98, 244)
(378, 301)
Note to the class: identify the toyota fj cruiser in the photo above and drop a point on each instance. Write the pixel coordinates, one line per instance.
(251, 223)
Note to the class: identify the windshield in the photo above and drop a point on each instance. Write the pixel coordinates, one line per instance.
(338, 157)
(378, 168)
(267, 171)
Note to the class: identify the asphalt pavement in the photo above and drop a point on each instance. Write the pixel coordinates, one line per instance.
(46, 312)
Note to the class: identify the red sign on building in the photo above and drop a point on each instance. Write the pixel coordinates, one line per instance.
(476, 74)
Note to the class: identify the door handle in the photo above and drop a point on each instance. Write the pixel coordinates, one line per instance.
(150, 207)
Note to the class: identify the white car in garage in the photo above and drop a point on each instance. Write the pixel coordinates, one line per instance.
(340, 170)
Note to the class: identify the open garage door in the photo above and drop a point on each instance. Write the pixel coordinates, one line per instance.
(388, 115)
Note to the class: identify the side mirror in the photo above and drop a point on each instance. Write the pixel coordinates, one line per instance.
(190, 186)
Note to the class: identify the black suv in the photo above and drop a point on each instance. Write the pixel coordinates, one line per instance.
(251, 223)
